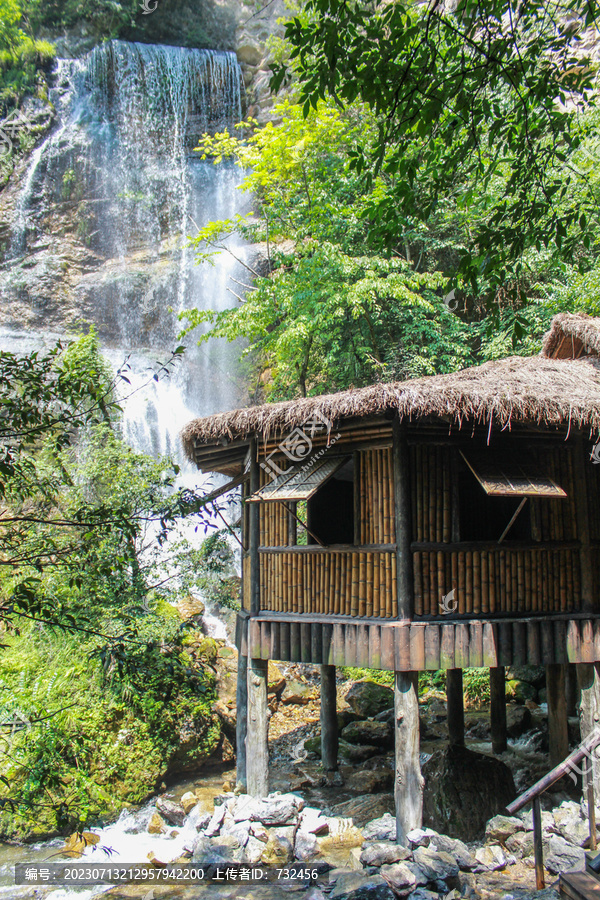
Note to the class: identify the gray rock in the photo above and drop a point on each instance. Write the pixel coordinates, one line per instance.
(383, 853)
(420, 837)
(417, 871)
(563, 857)
(364, 809)
(371, 781)
(464, 789)
(383, 829)
(170, 811)
(521, 844)
(253, 850)
(400, 877)
(423, 894)
(518, 720)
(356, 886)
(435, 865)
(491, 857)
(244, 808)
(367, 698)
(369, 732)
(499, 828)
(547, 821)
(214, 826)
(203, 821)
(467, 886)
(356, 752)
(305, 845)
(388, 715)
(455, 848)
(282, 809)
(218, 850)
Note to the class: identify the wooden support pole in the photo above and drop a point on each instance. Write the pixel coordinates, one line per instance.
(254, 532)
(241, 721)
(455, 707)
(409, 781)
(571, 689)
(588, 601)
(588, 675)
(498, 709)
(558, 734)
(257, 748)
(402, 514)
(538, 850)
(329, 726)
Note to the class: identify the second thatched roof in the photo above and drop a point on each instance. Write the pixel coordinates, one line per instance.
(572, 336)
(534, 390)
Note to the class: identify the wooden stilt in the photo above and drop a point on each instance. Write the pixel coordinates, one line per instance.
(241, 721)
(588, 675)
(571, 689)
(498, 709)
(329, 726)
(409, 781)
(257, 750)
(557, 714)
(455, 705)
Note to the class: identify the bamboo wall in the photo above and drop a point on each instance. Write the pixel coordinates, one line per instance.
(376, 492)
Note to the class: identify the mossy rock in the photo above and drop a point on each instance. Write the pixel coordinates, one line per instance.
(367, 698)
(520, 691)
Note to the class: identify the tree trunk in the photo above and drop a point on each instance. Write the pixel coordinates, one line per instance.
(257, 749)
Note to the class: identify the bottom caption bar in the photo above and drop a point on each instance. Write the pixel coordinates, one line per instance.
(86, 873)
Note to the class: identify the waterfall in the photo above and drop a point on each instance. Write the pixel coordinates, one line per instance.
(101, 221)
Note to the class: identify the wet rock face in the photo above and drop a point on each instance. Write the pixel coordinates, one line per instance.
(463, 790)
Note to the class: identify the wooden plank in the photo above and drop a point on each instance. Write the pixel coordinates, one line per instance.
(534, 656)
(362, 645)
(560, 642)
(491, 649)
(519, 636)
(573, 642)
(305, 644)
(284, 641)
(417, 648)
(327, 644)
(316, 643)
(505, 636)
(339, 655)
(461, 645)
(374, 647)
(350, 642)
(254, 638)
(387, 647)
(402, 648)
(265, 639)
(579, 886)
(587, 641)
(476, 645)
(274, 650)
(432, 647)
(295, 650)
(547, 643)
(447, 647)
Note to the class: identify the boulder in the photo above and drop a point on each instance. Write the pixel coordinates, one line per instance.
(520, 691)
(214, 826)
(436, 866)
(216, 851)
(275, 680)
(535, 675)
(170, 811)
(492, 857)
(563, 856)
(467, 886)
(346, 716)
(367, 698)
(383, 853)
(464, 789)
(352, 753)
(518, 720)
(520, 844)
(305, 845)
(357, 886)
(282, 809)
(400, 878)
(279, 849)
(382, 829)
(498, 829)
(157, 824)
(369, 732)
(420, 837)
(423, 894)
(298, 692)
(455, 848)
(253, 850)
(188, 802)
(364, 809)
(368, 781)
(387, 715)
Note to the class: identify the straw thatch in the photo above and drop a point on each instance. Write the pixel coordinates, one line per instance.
(572, 336)
(534, 390)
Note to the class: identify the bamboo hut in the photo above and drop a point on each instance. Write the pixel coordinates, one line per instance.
(436, 523)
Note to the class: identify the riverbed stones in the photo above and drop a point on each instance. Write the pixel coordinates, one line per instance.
(371, 781)
(365, 809)
(500, 828)
(455, 848)
(369, 732)
(436, 866)
(157, 824)
(563, 856)
(400, 877)
(188, 802)
(170, 811)
(367, 698)
(381, 829)
(356, 886)
(492, 857)
(278, 810)
(383, 853)
(279, 849)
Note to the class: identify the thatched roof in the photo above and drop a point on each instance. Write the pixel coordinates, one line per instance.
(534, 390)
(572, 336)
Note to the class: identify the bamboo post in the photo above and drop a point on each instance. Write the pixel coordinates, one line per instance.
(538, 850)
(254, 529)
(409, 781)
(402, 516)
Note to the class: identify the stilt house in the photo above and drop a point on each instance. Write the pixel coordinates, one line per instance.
(436, 523)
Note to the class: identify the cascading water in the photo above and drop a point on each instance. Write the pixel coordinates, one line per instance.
(107, 202)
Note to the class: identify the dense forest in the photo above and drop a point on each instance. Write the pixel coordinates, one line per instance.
(425, 197)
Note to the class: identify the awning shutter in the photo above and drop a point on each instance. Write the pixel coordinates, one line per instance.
(504, 475)
(298, 483)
